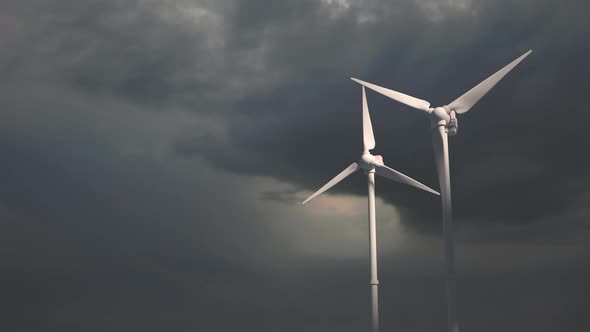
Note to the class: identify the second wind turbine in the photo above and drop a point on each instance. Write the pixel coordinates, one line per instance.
(444, 124)
(371, 164)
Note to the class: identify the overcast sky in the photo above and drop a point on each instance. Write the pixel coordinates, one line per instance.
(155, 154)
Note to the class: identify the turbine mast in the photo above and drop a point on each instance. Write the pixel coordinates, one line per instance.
(441, 152)
(373, 252)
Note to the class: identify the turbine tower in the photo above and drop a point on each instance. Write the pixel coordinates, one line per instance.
(371, 164)
(444, 123)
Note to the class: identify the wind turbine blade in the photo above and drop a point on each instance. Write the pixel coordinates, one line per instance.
(401, 97)
(469, 98)
(368, 137)
(394, 175)
(441, 155)
(349, 170)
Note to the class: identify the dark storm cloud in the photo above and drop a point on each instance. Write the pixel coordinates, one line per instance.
(97, 240)
(148, 52)
(519, 153)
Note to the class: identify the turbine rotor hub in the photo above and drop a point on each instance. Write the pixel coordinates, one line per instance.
(442, 113)
(368, 161)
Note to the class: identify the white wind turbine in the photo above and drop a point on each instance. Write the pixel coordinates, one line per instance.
(371, 164)
(444, 123)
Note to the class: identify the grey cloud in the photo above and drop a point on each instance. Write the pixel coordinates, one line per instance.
(321, 117)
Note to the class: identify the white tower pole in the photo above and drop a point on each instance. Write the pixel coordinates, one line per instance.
(441, 147)
(373, 252)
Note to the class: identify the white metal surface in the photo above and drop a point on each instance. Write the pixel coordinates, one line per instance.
(394, 175)
(401, 97)
(368, 137)
(374, 282)
(441, 156)
(469, 98)
(349, 170)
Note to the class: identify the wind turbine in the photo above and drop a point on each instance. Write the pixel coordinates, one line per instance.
(444, 123)
(371, 164)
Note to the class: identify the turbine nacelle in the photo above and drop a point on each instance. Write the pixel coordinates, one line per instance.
(452, 124)
(369, 161)
(445, 116)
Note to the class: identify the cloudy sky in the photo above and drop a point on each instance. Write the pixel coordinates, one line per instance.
(155, 154)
